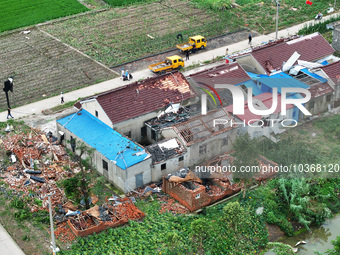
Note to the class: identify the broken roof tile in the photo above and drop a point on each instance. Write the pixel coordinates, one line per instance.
(152, 94)
(311, 48)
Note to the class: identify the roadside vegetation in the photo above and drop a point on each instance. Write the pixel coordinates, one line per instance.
(21, 13)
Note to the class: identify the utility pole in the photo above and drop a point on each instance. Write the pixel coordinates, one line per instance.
(54, 248)
(277, 17)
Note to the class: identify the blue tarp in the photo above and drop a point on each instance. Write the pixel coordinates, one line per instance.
(104, 139)
(315, 76)
(279, 80)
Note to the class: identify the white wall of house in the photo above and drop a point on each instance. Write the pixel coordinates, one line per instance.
(92, 106)
(211, 147)
(134, 126)
(171, 165)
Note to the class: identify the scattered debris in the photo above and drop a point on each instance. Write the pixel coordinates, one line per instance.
(97, 218)
(300, 242)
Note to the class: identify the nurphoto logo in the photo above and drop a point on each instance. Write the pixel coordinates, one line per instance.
(239, 102)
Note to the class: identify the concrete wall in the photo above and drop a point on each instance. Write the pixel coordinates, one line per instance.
(249, 64)
(134, 126)
(172, 165)
(336, 38)
(213, 147)
(320, 104)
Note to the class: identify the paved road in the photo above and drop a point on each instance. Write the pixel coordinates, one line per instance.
(7, 245)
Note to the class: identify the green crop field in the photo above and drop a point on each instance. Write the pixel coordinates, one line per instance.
(20, 13)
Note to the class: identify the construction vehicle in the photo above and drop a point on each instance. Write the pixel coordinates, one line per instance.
(170, 63)
(199, 41)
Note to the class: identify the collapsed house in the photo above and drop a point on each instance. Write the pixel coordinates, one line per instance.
(97, 218)
(204, 186)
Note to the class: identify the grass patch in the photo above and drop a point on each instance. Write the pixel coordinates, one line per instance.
(63, 106)
(20, 13)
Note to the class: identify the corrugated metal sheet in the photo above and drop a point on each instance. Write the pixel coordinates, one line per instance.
(104, 139)
(290, 62)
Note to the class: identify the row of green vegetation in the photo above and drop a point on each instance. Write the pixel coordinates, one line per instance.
(21, 13)
(232, 228)
(239, 226)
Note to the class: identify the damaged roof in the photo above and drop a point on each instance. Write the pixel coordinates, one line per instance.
(145, 96)
(223, 74)
(281, 80)
(104, 139)
(165, 149)
(332, 71)
(320, 89)
(202, 127)
(311, 48)
(266, 100)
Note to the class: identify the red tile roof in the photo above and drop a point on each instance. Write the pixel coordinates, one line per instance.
(224, 74)
(145, 96)
(333, 71)
(311, 47)
(320, 89)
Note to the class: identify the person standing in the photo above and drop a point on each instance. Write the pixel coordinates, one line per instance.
(9, 113)
(186, 55)
(226, 52)
(194, 48)
(61, 98)
(250, 38)
(123, 73)
(127, 75)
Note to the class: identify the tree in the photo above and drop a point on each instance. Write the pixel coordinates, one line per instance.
(336, 249)
(232, 212)
(198, 230)
(296, 193)
(245, 155)
(83, 150)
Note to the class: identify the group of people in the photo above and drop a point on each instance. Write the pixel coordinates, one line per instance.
(126, 76)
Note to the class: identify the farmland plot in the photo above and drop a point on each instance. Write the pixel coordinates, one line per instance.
(43, 67)
(123, 34)
(20, 13)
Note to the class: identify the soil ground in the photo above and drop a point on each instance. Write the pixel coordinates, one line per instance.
(43, 66)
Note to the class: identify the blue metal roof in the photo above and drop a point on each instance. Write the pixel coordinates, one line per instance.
(252, 84)
(315, 76)
(281, 80)
(104, 139)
